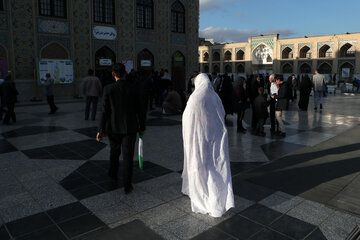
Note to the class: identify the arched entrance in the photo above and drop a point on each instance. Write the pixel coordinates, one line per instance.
(54, 51)
(3, 62)
(227, 56)
(325, 51)
(240, 55)
(178, 70)
(228, 69)
(216, 56)
(346, 71)
(305, 52)
(240, 68)
(305, 68)
(347, 50)
(325, 68)
(206, 57)
(287, 53)
(104, 59)
(145, 60)
(287, 68)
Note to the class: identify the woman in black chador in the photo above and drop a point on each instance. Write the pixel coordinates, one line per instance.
(305, 90)
(225, 91)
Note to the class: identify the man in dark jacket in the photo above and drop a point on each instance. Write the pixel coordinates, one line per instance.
(261, 113)
(281, 104)
(122, 118)
(92, 89)
(305, 90)
(9, 94)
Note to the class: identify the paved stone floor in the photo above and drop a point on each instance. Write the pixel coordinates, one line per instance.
(54, 183)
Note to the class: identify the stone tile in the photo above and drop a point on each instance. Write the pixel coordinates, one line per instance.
(277, 149)
(165, 234)
(160, 182)
(269, 235)
(249, 190)
(281, 202)
(240, 227)
(316, 235)
(241, 204)
(63, 213)
(11, 189)
(292, 227)
(186, 227)
(338, 226)
(115, 213)
(18, 206)
(141, 201)
(163, 214)
(183, 204)
(81, 225)
(168, 193)
(50, 196)
(261, 214)
(311, 212)
(29, 224)
(212, 220)
(4, 235)
(104, 200)
(213, 234)
(52, 232)
(309, 138)
(6, 146)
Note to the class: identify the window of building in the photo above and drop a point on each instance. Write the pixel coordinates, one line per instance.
(144, 14)
(177, 17)
(52, 8)
(104, 11)
(206, 57)
(240, 55)
(1, 5)
(227, 56)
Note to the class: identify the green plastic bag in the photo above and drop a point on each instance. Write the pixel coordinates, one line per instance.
(141, 152)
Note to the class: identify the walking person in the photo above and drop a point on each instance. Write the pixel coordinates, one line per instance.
(206, 175)
(261, 113)
(122, 118)
(49, 93)
(305, 90)
(92, 90)
(9, 94)
(273, 90)
(281, 104)
(242, 105)
(318, 86)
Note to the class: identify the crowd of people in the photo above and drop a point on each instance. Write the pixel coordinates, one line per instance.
(267, 96)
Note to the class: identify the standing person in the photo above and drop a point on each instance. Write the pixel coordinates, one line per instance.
(305, 90)
(49, 93)
(261, 113)
(191, 86)
(122, 118)
(281, 104)
(1, 96)
(242, 105)
(254, 92)
(9, 94)
(318, 84)
(92, 90)
(226, 90)
(216, 80)
(206, 175)
(294, 87)
(273, 90)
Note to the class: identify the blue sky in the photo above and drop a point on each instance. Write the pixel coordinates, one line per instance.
(236, 20)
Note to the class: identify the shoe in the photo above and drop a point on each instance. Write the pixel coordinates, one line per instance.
(282, 134)
(320, 106)
(315, 109)
(56, 109)
(128, 189)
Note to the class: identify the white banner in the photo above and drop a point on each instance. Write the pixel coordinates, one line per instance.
(104, 33)
(62, 71)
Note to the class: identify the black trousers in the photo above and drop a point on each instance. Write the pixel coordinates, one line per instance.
(94, 102)
(50, 100)
(272, 115)
(126, 144)
(10, 114)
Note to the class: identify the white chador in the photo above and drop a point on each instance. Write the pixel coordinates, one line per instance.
(206, 175)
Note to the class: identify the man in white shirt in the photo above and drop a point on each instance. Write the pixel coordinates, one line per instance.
(273, 91)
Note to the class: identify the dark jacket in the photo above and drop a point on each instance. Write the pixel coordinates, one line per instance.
(282, 98)
(260, 107)
(9, 92)
(122, 111)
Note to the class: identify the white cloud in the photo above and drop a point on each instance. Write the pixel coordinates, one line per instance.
(206, 5)
(223, 35)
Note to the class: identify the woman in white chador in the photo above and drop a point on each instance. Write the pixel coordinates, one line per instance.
(206, 175)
